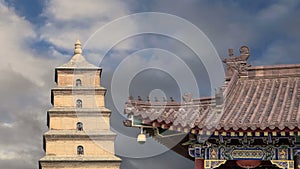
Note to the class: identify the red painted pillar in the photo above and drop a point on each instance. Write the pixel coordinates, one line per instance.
(199, 163)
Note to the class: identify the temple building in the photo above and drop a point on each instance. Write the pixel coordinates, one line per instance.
(79, 135)
(253, 121)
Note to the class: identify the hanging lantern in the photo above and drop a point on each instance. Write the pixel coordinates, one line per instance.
(141, 137)
(248, 163)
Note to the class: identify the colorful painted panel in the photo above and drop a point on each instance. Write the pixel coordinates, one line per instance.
(242, 154)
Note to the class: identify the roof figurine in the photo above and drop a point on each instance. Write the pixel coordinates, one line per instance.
(219, 96)
(230, 51)
(237, 63)
(244, 55)
(187, 97)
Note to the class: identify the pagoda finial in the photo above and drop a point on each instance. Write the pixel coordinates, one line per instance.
(78, 49)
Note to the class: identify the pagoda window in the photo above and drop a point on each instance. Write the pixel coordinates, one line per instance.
(79, 126)
(80, 150)
(78, 83)
(79, 103)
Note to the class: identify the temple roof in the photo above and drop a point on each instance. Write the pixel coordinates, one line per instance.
(263, 102)
(77, 61)
(261, 98)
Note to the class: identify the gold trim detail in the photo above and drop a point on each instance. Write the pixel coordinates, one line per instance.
(284, 164)
(210, 164)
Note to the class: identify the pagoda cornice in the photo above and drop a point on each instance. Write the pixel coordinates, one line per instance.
(79, 135)
(78, 89)
(78, 68)
(54, 158)
(81, 90)
(79, 112)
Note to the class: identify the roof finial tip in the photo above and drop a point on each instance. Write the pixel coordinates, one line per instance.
(78, 49)
(78, 42)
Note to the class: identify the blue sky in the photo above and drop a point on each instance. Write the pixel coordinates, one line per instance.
(38, 35)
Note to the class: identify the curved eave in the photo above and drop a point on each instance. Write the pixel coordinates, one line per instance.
(288, 128)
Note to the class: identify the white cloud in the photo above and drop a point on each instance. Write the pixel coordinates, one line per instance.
(17, 35)
(277, 11)
(25, 83)
(4, 155)
(67, 21)
(280, 52)
(6, 125)
(89, 9)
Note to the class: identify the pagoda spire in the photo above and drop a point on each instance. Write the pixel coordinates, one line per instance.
(78, 60)
(78, 48)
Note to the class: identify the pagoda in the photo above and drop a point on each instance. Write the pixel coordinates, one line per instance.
(253, 121)
(79, 135)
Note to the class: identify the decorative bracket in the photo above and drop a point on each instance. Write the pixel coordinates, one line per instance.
(196, 152)
(284, 164)
(210, 164)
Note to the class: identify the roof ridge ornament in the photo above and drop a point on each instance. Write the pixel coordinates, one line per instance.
(244, 55)
(230, 51)
(187, 97)
(244, 50)
(219, 96)
(237, 63)
(78, 48)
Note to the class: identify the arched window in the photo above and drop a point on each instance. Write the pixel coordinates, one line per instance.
(80, 150)
(79, 126)
(79, 103)
(78, 82)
